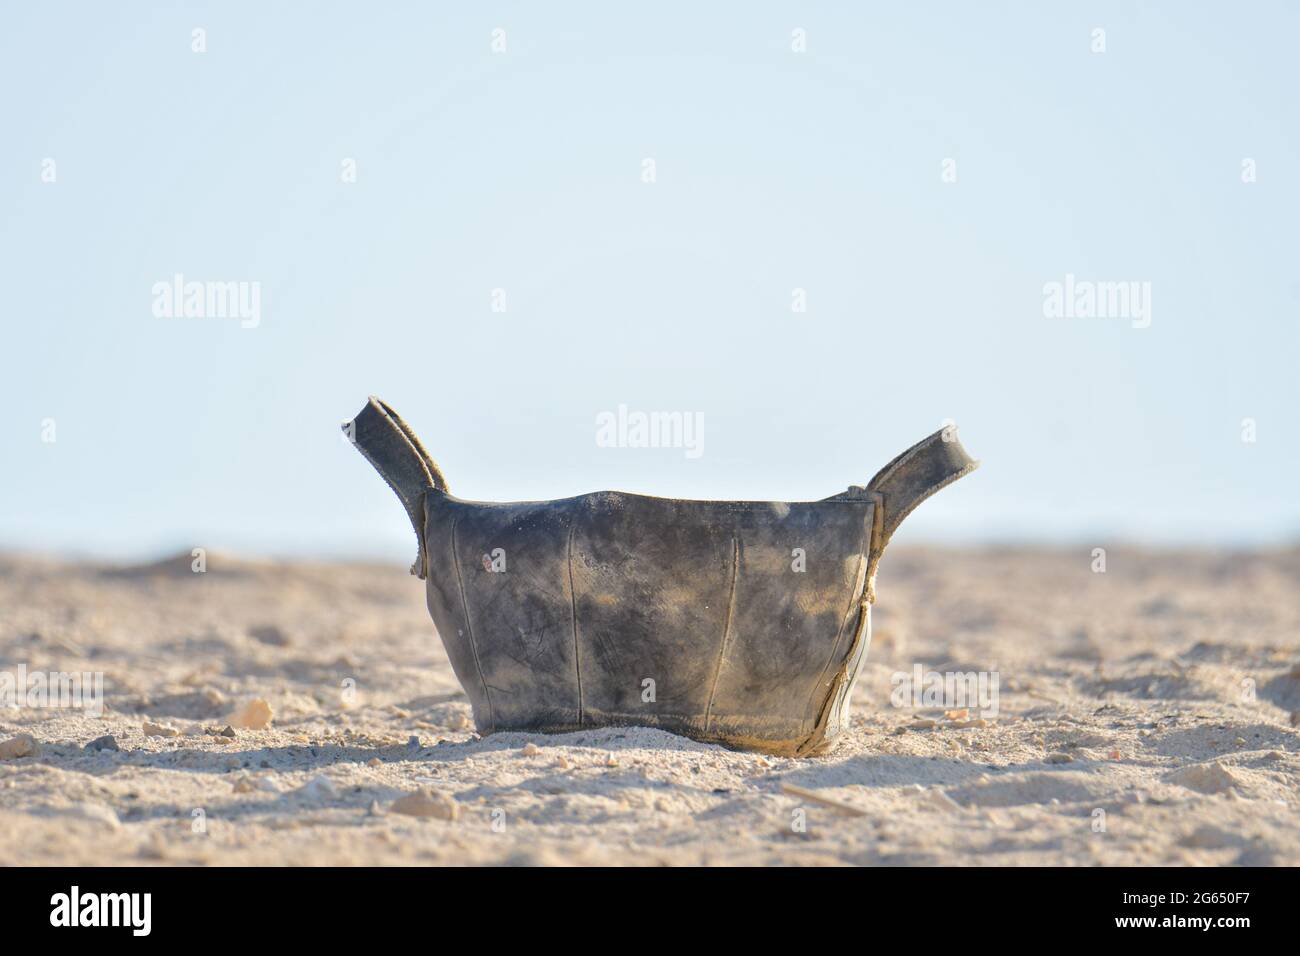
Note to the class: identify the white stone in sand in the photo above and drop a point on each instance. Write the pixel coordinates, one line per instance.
(1205, 778)
(254, 715)
(427, 803)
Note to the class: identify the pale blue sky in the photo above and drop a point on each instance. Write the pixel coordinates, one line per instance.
(521, 170)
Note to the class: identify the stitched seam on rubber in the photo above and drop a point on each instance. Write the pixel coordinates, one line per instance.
(726, 630)
(573, 602)
(469, 625)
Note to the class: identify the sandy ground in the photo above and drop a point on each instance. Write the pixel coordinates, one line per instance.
(1145, 717)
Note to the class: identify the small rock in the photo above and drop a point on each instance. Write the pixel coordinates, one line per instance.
(243, 785)
(427, 803)
(924, 724)
(562, 762)
(159, 730)
(413, 742)
(1059, 758)
(318, 787)
(458, 722)
(1205, 778)
(531, 749)
(270, 634)
(255, 715)
(375, 809)
(610, 761)
(373, 762)
(106, 742)
(24, 745)
(961, 714)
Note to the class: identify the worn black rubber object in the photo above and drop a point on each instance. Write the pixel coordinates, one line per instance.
(742, 623)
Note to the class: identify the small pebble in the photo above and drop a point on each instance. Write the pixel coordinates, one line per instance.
(1204, 778)
(24, 745)
(107, 742)
(270, 634)
(531, 750)
(319, 787)
(255, 715)
(427, 803)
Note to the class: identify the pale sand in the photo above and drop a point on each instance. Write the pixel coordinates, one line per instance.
(1134, 675)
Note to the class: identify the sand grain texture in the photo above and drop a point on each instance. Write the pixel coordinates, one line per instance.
(1155, 700)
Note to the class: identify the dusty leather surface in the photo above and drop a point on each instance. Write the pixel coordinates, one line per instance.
(603, 592)
(741, 623)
